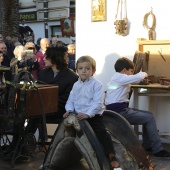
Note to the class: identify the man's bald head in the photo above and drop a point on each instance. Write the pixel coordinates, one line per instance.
(44, 43)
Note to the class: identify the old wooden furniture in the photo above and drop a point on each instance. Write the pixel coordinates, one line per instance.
(48, 100)
(158, 65)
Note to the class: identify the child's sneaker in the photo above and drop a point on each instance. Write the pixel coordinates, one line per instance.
(162, 154)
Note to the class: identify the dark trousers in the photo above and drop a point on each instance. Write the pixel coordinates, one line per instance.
(102, 134)
(37, 122)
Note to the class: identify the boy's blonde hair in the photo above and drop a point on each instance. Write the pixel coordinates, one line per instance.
(87, 59)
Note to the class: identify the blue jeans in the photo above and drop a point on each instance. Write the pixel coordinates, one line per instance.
(150, 134)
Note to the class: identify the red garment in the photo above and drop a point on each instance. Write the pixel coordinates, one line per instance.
(40, 57)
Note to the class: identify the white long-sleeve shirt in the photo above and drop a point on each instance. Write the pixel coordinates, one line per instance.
(119, 87)
(86, 97)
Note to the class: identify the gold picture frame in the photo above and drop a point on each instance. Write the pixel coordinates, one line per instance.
(98, 10)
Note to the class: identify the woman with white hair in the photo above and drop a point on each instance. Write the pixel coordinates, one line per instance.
(24, 60)
(19, 52)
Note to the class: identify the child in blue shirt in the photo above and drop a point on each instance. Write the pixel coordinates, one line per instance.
(86, 99)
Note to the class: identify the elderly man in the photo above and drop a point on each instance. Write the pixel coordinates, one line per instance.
(44, 43)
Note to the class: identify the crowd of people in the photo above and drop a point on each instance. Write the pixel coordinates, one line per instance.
(35, 63)
(53, 62)
(46, 62)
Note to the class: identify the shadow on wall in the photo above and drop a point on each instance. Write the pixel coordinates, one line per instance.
(108, 69)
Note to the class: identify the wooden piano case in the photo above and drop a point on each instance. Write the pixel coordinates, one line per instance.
(49, 96)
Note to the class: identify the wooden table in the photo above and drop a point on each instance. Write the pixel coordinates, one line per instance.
(151, 90)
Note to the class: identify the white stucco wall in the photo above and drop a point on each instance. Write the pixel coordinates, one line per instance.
(98, 39)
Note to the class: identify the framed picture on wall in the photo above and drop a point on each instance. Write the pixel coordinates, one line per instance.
(99, 10)
(67, 26)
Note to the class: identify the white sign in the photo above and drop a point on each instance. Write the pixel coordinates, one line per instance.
(54, 14)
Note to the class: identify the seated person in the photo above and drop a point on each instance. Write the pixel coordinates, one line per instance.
(117, 99)
(86, 100)
(56, 73)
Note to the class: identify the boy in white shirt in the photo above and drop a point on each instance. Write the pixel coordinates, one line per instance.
(117, 99)
(86, 101)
